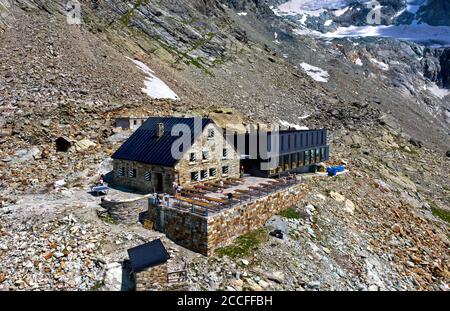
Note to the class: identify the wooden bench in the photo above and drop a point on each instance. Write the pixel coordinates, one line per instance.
(195, 202)
(198, 191)
(238, 180)
(274, 182)
(242, 191)
(266, 185)
(217, 185)
(212, 189)
(255, 188)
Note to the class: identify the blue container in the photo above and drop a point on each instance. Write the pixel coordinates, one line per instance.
(333, 170)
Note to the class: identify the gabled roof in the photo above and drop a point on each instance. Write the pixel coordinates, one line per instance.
(145, 147)
(148, 255)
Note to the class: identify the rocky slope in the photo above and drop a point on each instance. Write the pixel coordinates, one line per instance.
(384, 101)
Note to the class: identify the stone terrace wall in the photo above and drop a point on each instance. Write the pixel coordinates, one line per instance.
(228, 225)
(205, 234)
(126, 211)
(184, 228)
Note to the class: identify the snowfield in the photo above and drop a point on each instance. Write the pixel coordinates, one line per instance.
(154, 87)
(303, 6)
(421, 33)
(316, 73)
(436, 36)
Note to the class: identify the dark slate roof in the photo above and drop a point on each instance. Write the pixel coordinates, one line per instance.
(143, 146)
(148, 255)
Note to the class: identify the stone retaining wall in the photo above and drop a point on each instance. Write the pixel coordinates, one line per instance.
(187, 229)
(151, 278)
(205, 234)
(126, 211)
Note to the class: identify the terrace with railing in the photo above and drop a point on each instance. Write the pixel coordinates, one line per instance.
(210, 198)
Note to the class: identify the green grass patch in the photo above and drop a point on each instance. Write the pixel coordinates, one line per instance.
(290, 213)
(244, 245)
(439, 212)
(96, 286)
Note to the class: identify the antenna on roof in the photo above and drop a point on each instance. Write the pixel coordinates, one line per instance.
(159, 130)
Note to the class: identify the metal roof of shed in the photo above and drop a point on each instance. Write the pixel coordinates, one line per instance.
(148, 255)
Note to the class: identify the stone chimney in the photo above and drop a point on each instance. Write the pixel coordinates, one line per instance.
(159, 130)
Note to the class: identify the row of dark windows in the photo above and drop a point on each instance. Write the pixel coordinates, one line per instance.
(206, 155)
(205, 174)
(132, 173)
(298, 159)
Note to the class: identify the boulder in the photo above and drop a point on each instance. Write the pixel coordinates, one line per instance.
(82, 145)
(59, 183)
(252, 285)
(349, 207)
(337, 197)
(263, 284)
(276, 276)
(24, 155)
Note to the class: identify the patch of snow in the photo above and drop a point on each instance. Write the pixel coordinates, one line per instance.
(437, 91)
(242, 13)
(328, 22)
(358, 62)
(316, 73)
(291, 125)
(304, 117)
(154, 87)
(399, 13)
(303, 19)
(381, 65)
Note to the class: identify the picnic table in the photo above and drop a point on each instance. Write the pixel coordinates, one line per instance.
(210, 199)
(217, 185)
(232, 183)
(99, 190)
(191, 190)
(213, 189)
